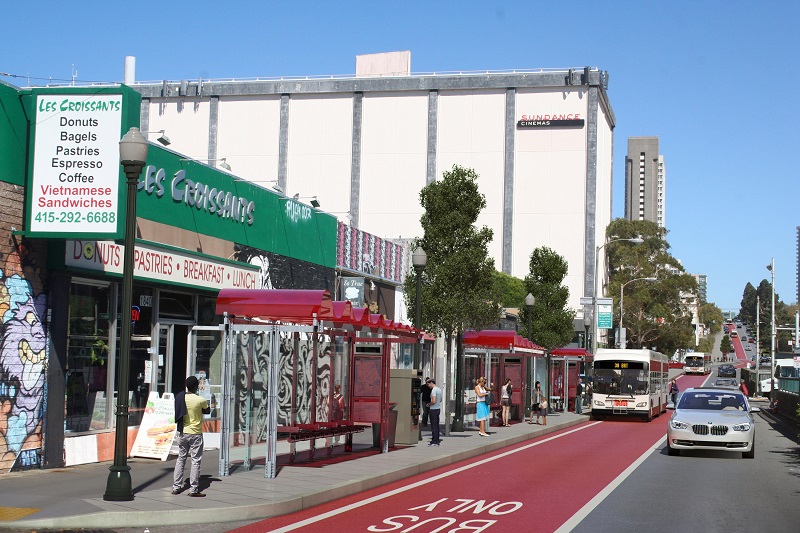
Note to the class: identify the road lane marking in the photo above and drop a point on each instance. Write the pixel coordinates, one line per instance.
(399, 490)
(584, 511)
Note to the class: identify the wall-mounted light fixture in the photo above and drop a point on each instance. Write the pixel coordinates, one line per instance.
(224, 165)
(314, 202)
(163, 139)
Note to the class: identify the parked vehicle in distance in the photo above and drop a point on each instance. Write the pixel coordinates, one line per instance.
(726, 371)
(712, 418)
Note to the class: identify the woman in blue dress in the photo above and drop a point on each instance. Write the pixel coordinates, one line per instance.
(483, 408)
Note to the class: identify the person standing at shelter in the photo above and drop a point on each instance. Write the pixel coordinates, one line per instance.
(189, 411)
(505, 401)
(579, 397)
(435, 405)
(482, 415)
(425, 400)
(536, 398)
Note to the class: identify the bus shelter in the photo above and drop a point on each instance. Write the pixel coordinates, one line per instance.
(566, 365)
(284, 353)
(501, 355)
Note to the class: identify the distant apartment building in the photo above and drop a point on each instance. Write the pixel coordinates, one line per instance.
(702, 287)
(645, 181)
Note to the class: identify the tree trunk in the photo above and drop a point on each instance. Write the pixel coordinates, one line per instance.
(458, 415)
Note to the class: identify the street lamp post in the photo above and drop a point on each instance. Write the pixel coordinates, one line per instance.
(771, 268)
(634, 240)
(530, 301)
(133, 155)
(758, 346)
(419, 259)
(624, 338)
(587, 323)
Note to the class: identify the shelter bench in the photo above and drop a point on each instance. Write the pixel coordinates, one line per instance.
(320, 430)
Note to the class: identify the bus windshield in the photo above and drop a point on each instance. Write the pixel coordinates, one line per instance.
(621, 377)
(694, 360)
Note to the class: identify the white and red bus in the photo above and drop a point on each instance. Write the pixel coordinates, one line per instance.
(697, 363)
(629, 382)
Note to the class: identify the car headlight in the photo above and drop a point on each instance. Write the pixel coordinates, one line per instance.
(641, 404)
(677, 424)
(600, 403)
(741, 427)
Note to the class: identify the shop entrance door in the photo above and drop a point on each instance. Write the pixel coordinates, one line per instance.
(171, 358)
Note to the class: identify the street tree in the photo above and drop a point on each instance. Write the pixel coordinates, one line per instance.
(457, 284)
(509, 290)
(551, 320)
(747, 311)
(725, 345)
(711, 315)
(656, 315)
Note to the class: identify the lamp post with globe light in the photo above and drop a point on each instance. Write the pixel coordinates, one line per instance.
(133, 149)
(418, 259)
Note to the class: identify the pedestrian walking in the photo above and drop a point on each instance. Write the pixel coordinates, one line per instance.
(743, 388)
(189, 411)
(536, 399)
(505, 401)
(425, 400)
(435, 407)
(482, 407)
(579, 397)
(673, 391)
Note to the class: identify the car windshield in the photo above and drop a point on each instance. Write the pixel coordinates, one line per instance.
(712, 401)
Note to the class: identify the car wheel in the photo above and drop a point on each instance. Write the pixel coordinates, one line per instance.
(752, 453)
(672, 451)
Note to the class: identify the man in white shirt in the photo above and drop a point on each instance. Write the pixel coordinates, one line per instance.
(435, 409)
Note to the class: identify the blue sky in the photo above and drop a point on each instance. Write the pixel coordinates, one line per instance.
(716, 81)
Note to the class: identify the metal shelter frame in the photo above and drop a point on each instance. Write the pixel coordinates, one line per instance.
(281, 316)
(502, 344)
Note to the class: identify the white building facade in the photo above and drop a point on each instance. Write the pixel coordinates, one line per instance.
(541, 142)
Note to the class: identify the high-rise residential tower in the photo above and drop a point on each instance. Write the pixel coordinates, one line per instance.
(645, 177)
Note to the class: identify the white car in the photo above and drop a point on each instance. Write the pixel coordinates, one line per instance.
(766, 384)
(712, 418)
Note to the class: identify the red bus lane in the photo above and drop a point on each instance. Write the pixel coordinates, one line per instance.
(533, 486)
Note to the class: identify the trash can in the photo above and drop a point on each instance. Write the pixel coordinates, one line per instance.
(391, 430)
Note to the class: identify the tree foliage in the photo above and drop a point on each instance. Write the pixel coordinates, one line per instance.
(551, 320)
(711, 316)
(457, 284)
(509, 291)
(654, 314)
(725, 345)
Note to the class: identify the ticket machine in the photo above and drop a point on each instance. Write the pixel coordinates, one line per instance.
(405, 392)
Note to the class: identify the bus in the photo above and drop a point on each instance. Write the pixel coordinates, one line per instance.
(697, 363)
(629, 382)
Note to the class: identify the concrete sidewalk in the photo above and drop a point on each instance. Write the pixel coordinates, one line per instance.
(72, 497)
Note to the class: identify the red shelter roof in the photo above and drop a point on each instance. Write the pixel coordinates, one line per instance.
(302, 307)
(499, 339)
(572, 352)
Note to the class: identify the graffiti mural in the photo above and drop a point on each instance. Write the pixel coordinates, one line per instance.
(23, 365)
(295, 375)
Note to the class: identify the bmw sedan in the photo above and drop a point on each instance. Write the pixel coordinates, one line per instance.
(712, 418)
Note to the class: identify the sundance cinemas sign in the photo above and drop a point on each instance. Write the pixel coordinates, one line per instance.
(564, 120)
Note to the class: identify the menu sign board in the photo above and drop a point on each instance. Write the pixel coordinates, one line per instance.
(76, 170)
(157, 429)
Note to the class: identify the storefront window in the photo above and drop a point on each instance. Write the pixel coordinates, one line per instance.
(87, 357)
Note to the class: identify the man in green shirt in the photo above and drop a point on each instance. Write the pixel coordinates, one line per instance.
(189, 411)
